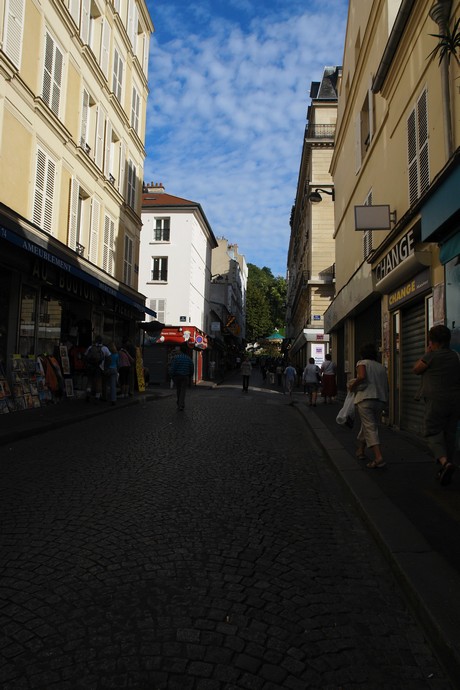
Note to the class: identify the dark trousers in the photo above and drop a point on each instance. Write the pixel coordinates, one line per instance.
(181, 383)
(245, 382)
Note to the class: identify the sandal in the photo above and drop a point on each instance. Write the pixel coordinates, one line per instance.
(445, 473)
(374, 465)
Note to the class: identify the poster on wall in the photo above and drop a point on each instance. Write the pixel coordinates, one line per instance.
(318, 354)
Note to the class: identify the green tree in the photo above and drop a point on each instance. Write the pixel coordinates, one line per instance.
(265, 303)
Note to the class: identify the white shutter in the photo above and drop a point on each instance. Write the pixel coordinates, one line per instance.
(107, 256)
(121, 176)
(52, 74)
(131, 186)
(45, 173)
(108, 148)
(135, 24)
(48, 69)
(117, 80)
(73, 213)
(57, 80)
(128, 260)
(129, 28)
(14, 25)
(135, 110)
(370, 98)
(145, 64)
(94, 239)
(74, 8)
(85, 21)
(84, 119)
(105, 48)
(99, 153)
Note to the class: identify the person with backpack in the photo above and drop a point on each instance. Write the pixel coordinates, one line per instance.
(94, 360)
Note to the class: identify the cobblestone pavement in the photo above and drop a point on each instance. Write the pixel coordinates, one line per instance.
(210, 549)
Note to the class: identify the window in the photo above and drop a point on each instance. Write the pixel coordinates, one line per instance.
(52, 74)
(88, 123)
(159, 306)
(117, 81)
(14, 26)
(45, 178)
(364, 128)
(417, 149)
(105, 48)
(79, 218)
(94, 231)
(100, 133)
(131, 185)
(135, 110)
(160, 269)
(133, 19)
(162, 229)
(128, 261)
(109, 243)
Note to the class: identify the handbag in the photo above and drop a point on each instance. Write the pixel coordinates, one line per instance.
(347, 413)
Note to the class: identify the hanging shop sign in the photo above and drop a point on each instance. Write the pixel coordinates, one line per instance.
(397, 254)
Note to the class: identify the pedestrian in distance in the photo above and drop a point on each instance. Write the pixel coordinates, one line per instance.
(290, 377)
(181, 371)
(329, 383)
(279, 374)
(246, 369)
(371, 397)
(311, 378)
(94, 359)
(111, 372)
(125, 364)
(439, 368)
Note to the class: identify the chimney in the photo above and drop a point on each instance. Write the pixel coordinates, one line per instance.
(154, 188)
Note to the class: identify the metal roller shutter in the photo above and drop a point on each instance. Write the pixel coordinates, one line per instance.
(412, 347)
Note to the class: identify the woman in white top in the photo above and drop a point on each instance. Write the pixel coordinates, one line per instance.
(329, 384)
(371, 397)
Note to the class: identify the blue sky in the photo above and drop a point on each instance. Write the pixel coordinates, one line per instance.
(229, 90)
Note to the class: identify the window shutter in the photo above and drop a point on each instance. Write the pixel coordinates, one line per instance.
(358, 143)
(145, 65)
(128, 260)
(73, 213)
(131, 187)
(121, 177)
(108, 148)
(45, 173)
(94, 239)
(107, 254)
(412, 158)
(48, 69)
(84, 119)
(99, 153)
(135, 110)
(370, 97)
(14, 26)
(130, 27)
(105, 48)
(74, 9)
(422, 119)
(85, 20)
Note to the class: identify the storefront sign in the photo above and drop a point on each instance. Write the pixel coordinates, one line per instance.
(414, 286)
(401, 251)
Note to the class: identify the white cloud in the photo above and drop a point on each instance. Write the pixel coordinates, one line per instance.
(227, 110)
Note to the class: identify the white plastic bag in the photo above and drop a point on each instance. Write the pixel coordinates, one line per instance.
(347, 413)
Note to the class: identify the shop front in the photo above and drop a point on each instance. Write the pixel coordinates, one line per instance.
(53, 304)
(159, 346)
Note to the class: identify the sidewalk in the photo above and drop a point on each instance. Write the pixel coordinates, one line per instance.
(414, 519)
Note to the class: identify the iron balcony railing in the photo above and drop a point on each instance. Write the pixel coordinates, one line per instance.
(320, 132)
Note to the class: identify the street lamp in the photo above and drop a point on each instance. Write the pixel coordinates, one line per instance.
(315, 197)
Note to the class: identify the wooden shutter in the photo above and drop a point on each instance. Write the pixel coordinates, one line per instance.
(108, 148)
(121, 178)
(107, 253)
(99, 153)
(105, 48)
(422, 131)
(84, 119)
(85, 21)
(74, 9)
(45, 174)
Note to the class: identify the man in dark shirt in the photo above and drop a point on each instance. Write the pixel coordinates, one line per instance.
(181, 371)
(440, 371)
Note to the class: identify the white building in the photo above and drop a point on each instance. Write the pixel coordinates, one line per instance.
(174, 274)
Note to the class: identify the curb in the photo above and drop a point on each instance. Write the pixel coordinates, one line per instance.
(430, 584)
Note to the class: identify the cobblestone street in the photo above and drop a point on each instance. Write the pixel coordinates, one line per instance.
(210, 549)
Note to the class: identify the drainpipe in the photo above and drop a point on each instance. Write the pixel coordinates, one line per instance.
(440, 13)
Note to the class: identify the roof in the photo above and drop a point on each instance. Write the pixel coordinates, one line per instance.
(156, 199)
(326, 89)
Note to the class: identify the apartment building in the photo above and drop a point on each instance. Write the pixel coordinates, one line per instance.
(73, 93)
(396, 174)
(311, 254)
(174, 274)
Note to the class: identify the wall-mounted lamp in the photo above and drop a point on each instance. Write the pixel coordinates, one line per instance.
(315, 197)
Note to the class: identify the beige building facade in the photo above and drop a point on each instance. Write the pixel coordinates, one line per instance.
(396, 175)
(311, 255)
(73, 94)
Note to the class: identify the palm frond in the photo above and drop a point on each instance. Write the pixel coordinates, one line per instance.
(448, 45)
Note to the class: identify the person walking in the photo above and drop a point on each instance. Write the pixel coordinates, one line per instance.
(439, 368)
(279, 374)
(94, 358)
(329, 383)
(246, 369)
(181, 371)
(111, 372)
(125, 363)
(371, 396)
(290, 377)
(311, 378)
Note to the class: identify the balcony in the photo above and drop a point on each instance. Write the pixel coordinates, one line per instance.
(315, 132)
(79, 248)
